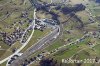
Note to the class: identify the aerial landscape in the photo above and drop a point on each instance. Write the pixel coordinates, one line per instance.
(49, 32)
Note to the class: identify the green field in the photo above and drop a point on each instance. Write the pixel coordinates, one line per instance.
(36, 36)
(10, 16)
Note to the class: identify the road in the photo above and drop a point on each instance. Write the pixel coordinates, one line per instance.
(83, 49)
(40, 44)
(77, 40)
(33, 23)
(37, 46)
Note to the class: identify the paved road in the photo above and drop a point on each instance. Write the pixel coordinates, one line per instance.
(40, 44)
(33, 23)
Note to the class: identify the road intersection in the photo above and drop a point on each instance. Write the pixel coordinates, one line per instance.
(17, 51)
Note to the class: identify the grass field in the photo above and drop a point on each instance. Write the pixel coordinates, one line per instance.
(8, 51)
(10, 12)
(3, 64)
(97, 49)
(36, 36)
(4, 47)
(70, 32)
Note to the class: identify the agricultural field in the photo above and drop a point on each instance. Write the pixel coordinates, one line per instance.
(35, 38)
(58, 30)
(70, 33)
(11, 17)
